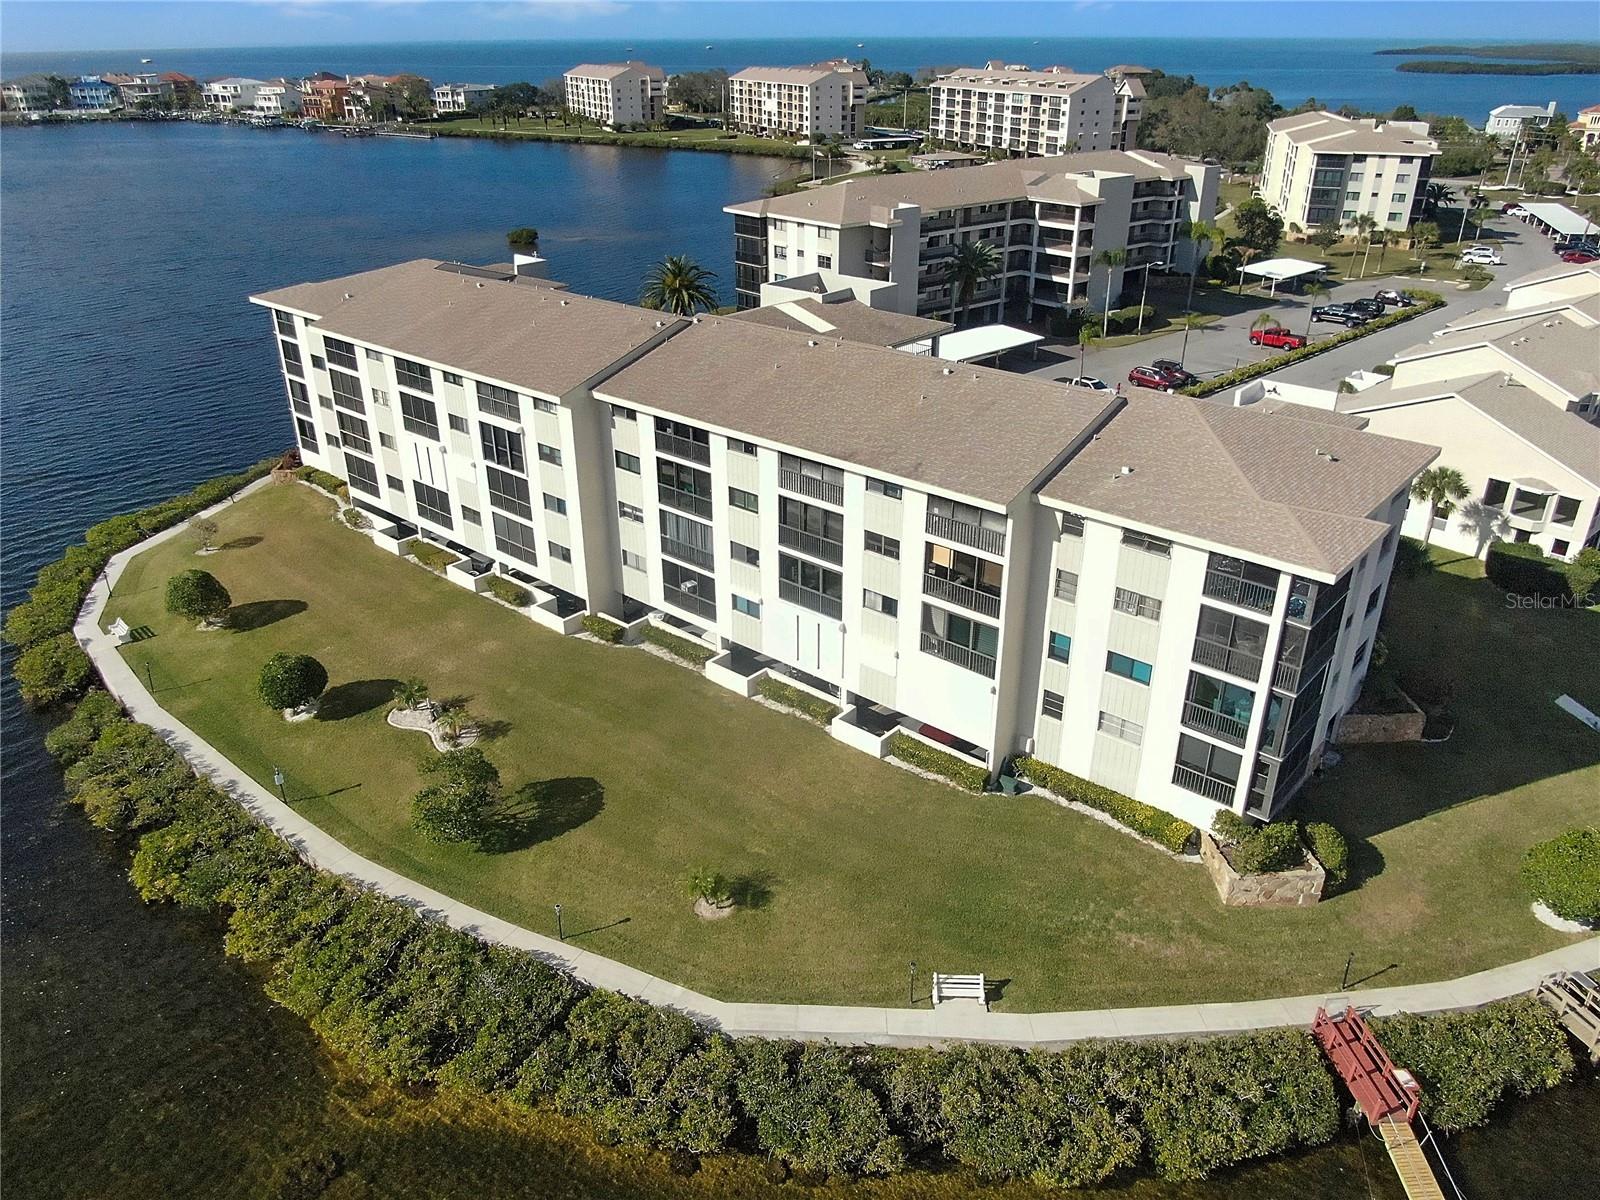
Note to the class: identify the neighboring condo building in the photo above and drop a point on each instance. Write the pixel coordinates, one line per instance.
(887, 237)
(1167, 596)
(614, 94)
(1322, 167)
(1034, 113)
(461, 97)
(1588, 126)
(1508, 122)
(824, 100)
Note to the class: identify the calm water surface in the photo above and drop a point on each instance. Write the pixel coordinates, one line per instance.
(137, 1060)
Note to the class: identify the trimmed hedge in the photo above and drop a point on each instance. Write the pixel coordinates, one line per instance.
(814, 707)
(1564, 872)
(963, 772)
(435, 558)
(603, 628)
(681, 647)
(1523, 568)
(512, 593)
(1331, 850)
(1144, 819)
(414, 1002)
(1425, 302)
(1274, 847)
(331, 484)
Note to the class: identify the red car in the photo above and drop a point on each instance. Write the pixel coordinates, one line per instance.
(1152, 377)
(1579, 257)
(1278, 336)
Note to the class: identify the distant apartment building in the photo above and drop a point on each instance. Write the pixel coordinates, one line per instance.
(1034, 113)
(888, 238)
(27, 94)
(277, 99)
(614, 94)
(1322, 167)
(823, 100)
(324, 99)
(1173, 598)
(1508, 122)
(461, 97)
(234, 93)
(1588, 126)
(92, 93)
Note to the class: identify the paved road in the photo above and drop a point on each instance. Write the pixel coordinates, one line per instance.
(1224, 344)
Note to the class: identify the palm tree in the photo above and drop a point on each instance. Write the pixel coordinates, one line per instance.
(1110, 260)
(678, 284)
(451, 720)
(1087, 337)
(1201, 234)
(1380, 239)
(413, 694)
(1433, 196)
(1365, 224)
(1265, 321)
(1441, 489)
(967, 269)
(1313, 291)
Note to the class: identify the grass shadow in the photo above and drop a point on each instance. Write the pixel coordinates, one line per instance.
(242, 543)
(752, 890)
(354, 698)
(543, 810)
(258, 614)
(490, 729)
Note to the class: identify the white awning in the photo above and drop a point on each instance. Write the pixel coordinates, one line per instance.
(1279, 269)
(970, 345)
(1560, 218)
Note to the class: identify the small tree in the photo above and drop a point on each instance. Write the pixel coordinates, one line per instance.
(205, 529)
(413, 694)
(524, 236)
(705, 884)
(291, 681)
(451, 720)
(53, 670)
(1326, 234)
(1441, 489)
(198, 595)
(459, 805)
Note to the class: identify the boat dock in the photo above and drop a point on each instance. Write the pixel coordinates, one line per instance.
(1575, 999)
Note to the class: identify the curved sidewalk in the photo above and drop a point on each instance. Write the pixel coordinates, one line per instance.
(838, 1023)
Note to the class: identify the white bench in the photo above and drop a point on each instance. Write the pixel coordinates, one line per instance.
(959, 987)
(119, 630)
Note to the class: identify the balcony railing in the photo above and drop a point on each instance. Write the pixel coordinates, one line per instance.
(682, 447)
(992, 541)
(685, 552)
(987, 603)
(1207, 720)
(878, 255)
(810, 543)
(683, 501)
(828, 606)
(810, 485)
(1209, 786)
(689, 601)
(971, 660)
(1243, 592)
(1287, 677)
(1228, 658)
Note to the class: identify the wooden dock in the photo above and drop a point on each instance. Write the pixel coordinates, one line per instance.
(1575, 999)
(1410, 1162)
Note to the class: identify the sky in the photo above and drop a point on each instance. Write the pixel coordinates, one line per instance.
(32, 25)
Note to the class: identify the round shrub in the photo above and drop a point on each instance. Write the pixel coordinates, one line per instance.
(53, 670)
(198, 595)
(1228, 826)
(458, 806)
(355, 518)
(1274, 847)
(291, 680)
(1565, 873)
(1331, 850)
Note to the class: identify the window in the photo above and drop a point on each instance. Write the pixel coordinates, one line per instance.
(1143, 541)
(331, 439)
(810, 586)
(340, 353)
(745, 554)
(780, 252)
(1137, 604)
(291, 358)
(363, 475)
(540, 404)
(549, 454)
(1071, 525)
(498, 401)
(374, 355)
(284, 321)
(1128, 668)
(346, 391)
(458, 424)
(509, 492)
(1397, 198)
(380, 397)
(501, 446)
(1206, 768)
(555, 504)
(630, 512)
(1060, 647)
(688, 589)
(432, 504)
(630, 559)
(308, 434)
(824, 234)
(1067, 585)
(515, 538)
(395, 483)
(451, 377)
(1361, 654)
(560, 553)
(1559, 548)
(413, 375)
(878, 543)
(1373, 597)
(353, 433)
(889, 491)
(1566, 510)
(961, 640)
(748, 501)
(417, 415)
(471, 515)
(741, 447)
(878, 602)
(1525, 503)
(1494, 494)
(750, 608)
(619, 413)
(813, 530)
(628, 462)
(1053, 705)
(319, 363)
(1403, 177)
(1394, 217)
(825, 261)
(1121, 728)
(298, 393)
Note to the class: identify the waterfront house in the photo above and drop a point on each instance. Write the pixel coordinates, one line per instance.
(461, 97)
(1171, 597)
(613, 94)
(1588, 126)
(1322, 167)
(233, 93)
(1509, 122)
(323, 99)
(92, 93)
(826, 99)
(277, 99)
(27, 94)
(1034, 113)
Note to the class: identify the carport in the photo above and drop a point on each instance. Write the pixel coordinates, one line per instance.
(975, 345)
(1557, 221)
(1291, 271)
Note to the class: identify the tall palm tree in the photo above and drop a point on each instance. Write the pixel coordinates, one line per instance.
(1087, 337)
(1205, 237)
(1313, 291)
(1265, 321)
(1433, 196)
(969, 268)
(1365, 224)
(1110, 260)
(1441, 489)
(678, 284)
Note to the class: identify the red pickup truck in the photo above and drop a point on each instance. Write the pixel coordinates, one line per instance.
(1277, 336)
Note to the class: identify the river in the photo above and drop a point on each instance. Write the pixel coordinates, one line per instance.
(138, 1061)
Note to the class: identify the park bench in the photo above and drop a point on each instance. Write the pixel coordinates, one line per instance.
(120, 631)
(959, 987)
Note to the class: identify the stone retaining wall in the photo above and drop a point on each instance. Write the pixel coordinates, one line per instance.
(1276, 889)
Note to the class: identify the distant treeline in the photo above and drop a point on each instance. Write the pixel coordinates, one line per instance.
(1445, 66)
(1545, 51)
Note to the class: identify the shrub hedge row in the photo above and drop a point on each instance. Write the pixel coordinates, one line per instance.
(415, 1002)
(685, 648)
(1425, 302)
(331, 484)
(963, 772)
(1331, 849)
(511, 592)
(819, 710)
(1144, 819)
(435, 558)
(603, 628)
(1523, 568)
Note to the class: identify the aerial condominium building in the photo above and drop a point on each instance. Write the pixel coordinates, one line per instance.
(1171, 597)
(625, 93)
(1322, 167)
(888, 237)
(1035, 113)
(825, 100)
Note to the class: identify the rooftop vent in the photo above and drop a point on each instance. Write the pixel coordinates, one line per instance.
(349, 296)
(811, 341)
(1126, 470)
(480, 283)
(949, 371)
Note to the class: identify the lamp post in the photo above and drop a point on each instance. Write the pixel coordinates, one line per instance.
(1144, 290)
(1344, 984)
(149, 681)
(913, 999)
(560, 931)
(277, 778)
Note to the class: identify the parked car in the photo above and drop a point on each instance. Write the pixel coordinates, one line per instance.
(1368, 306)
(1514, 210)
(1579, 257)
(1339, 314)
(1276, 336)
(1090, 382)
(1149, 377)
(1479, 256)
(1175, 371)
(1392, 298)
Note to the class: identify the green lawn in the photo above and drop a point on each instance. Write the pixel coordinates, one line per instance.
(644, 770)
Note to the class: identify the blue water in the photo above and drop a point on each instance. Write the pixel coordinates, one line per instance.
(1337, 71)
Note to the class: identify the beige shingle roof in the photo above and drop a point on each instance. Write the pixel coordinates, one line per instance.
(613, 70)
(809, 74)
(1332, 134)
(848, 319)
(1000, 79)
(1550, 344)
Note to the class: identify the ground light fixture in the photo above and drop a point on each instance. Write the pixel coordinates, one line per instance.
(560, 931)
(277, 778)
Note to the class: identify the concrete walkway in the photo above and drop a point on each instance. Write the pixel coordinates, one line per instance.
(859, 1026)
